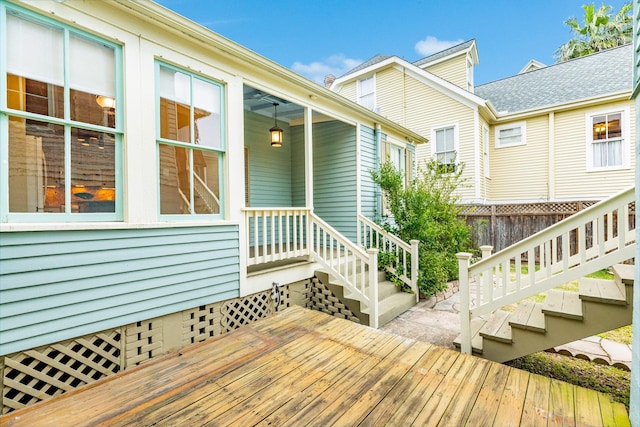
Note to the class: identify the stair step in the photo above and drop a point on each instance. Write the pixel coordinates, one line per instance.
(497, 327)
(565, 304)
(476, 340)
(528, 316)
(601, 290)
(626, 273)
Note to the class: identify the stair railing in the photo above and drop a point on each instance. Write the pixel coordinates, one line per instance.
(401, 262)
(355, 269)
(590, 240)
(208, 196)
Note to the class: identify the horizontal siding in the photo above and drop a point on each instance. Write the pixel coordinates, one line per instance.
(298, 195)
(453, 70)
(389, 99)
(269, 168)
(57, 285)
(349, 90)
(335, 175)
(521, 172)
(572, 178)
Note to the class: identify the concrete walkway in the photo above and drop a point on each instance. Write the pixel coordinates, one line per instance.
(436, 320)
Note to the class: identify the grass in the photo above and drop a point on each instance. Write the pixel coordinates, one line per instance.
(606, 379)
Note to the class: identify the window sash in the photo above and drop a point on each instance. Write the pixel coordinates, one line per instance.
(607, 140)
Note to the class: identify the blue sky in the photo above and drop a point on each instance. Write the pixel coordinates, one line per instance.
(315, 38)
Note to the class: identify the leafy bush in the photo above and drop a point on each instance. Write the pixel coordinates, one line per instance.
(426, 211)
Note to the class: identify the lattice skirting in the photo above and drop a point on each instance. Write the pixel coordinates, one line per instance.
(322, 299)
(38, 374)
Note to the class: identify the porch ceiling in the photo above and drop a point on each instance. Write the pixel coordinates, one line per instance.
(261, 102)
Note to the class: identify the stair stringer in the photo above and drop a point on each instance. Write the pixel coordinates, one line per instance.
(597, 317)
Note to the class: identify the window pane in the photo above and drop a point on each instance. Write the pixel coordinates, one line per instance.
(599, 127)
(93, 173)
(614, 128)
(206, 183)
(174, 180)
(174, 121)
(206, 102)
(35, 96)
(36, 166)
(35, 50)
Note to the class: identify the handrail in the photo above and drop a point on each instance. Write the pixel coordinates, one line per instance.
(209, 197)
(348, 262)
(564, 253)
(371, 235)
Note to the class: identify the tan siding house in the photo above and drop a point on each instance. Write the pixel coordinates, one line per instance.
(557, 133)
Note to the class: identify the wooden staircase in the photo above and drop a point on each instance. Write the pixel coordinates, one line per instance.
(392, 301)
(599, 306)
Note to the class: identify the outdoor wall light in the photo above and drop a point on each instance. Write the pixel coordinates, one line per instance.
(276, 132)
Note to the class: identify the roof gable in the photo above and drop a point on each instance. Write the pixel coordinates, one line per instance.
(465, 47)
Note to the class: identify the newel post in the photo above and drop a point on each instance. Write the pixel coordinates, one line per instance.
(415, 263)
(373, 287)
(465, 301)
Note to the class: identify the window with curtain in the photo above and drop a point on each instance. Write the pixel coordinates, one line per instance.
(62, 121)
(367, 92)
(606, 140)
(190, 143)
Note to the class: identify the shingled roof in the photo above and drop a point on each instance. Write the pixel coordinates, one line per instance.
(599, 74)
(444, 53)
(369, 62)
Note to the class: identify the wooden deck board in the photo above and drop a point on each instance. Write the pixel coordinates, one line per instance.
(301, 367)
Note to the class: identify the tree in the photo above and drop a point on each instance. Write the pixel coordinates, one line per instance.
(601, 31)
(427, 211)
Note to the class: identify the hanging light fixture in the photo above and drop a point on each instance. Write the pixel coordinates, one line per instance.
(276, 132)
(106, 101)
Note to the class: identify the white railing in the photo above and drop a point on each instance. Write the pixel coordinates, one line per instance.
(355, 269)
(207, 195)
(276, 234)
(593, 239)
(400, 255)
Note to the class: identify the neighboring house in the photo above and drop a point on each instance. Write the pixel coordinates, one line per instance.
(558, 133)
(141, 199)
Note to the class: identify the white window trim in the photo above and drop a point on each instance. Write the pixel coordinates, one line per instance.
(626, 136)
(358, 92)
(523, 141)
(486, 146)
(456, 139)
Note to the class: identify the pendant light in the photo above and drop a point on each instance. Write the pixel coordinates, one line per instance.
(276, 132)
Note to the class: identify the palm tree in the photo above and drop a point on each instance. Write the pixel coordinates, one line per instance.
(600, 31)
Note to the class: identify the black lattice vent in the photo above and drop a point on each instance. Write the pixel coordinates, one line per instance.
(40, 374)
(143, 341)
(243, 311)
(201, 323)
(322, 299)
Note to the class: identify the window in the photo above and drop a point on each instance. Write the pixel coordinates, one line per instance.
(607, 144)
(367, 92)
(445, 147)
(61, 123)
(511, 135)
(190, 143)
(485, 145)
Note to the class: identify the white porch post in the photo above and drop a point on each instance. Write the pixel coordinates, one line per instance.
(308, 177)
(415, 263)
(373, 287)
(465, 317)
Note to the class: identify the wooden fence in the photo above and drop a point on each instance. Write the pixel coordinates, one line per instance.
(502, 225)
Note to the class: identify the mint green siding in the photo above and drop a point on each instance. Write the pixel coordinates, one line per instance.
(335, 175)
(57, 285)
(298, 194)
(269, 168)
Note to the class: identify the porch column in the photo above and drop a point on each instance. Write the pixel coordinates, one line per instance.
(308, 156)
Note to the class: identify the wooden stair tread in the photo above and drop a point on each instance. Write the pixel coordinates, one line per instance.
(497, 327)
(528, 316)
(563, 304)
(626, 273)
(601, 290)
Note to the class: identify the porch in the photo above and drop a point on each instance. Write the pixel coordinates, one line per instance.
(302, 367)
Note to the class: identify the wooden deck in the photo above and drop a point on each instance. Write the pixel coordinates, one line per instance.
(305, 368)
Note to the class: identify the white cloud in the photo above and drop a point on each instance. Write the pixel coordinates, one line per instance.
(335, 64)
(432, 45)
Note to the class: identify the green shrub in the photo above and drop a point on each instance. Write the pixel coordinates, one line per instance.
(426, 211)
